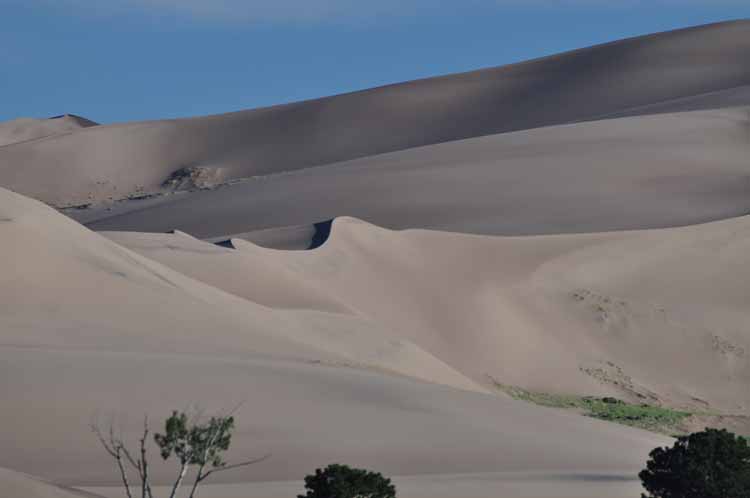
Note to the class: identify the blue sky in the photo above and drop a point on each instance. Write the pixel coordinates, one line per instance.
(124, 60)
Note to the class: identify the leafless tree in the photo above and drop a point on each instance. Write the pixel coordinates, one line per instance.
(112, 441)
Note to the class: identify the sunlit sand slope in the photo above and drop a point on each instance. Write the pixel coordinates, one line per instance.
(653, 316)
(627, 76)
(90, 327)
(630, 173)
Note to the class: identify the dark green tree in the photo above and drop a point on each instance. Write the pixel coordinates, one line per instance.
(340, 481)
(709, 464)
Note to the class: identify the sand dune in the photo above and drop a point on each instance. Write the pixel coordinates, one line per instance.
(29, 129)
(53, 296)
(589, 314)
(526, 310)
(630, 173)
(732, 97)
(118, 161)
(287, 238)
(304, 414)
(571, 255)
(111, 331)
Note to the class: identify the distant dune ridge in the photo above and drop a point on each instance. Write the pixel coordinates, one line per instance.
(636, 172)
(29, 129)
(124, 159)
(461, 232)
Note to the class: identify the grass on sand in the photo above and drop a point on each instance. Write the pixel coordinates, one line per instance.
(644, 416)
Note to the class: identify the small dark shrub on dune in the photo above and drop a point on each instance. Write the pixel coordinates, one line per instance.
(709, 464)
(340, 481)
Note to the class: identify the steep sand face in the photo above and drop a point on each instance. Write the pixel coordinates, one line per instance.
(622, 313)
(91, 327)
(28, 129)
(630, 173)
(67, 287)
(120, 160)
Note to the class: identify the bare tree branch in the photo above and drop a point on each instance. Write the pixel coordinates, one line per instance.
(123, 474)
(97, 431)
(236, 465)
(145, 484)
(132, 461)
(114, 447)
(235, 409)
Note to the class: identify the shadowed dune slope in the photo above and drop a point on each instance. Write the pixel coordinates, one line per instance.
(118, 160)
(629, 173)
(655, 315)
(284, 238)
(29, 129)
(88, 326)
(732, 97)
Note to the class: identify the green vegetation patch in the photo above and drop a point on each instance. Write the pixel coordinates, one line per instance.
(643, 416)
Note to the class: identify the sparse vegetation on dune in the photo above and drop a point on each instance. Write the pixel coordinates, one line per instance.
(643, 416)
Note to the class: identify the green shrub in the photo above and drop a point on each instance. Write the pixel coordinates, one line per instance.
(340, 481)
(709, 464)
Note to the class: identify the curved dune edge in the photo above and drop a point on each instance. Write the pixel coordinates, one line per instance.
(98, 328)
(585, 313)
(130, 160)
(73, 261)
(620, 174)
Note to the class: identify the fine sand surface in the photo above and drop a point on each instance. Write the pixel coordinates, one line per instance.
(588, 314)
(91, 327)
(117, 161)
(576, 224)
(630, 173)
(67, 287)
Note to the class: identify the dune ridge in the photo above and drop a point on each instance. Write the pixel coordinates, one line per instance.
(617, 174)
(107, 329)
(367, 273)
(122, 160)
(29, 129)
(567, 313)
